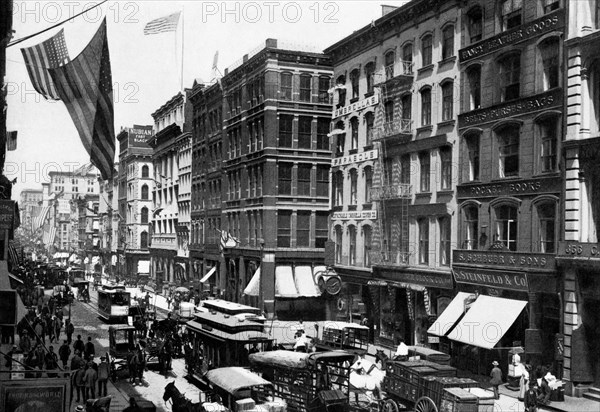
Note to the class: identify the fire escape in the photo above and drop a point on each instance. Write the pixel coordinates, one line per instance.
(391, 192)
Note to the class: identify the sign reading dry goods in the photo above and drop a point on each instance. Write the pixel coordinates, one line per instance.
(361, 104)
(526, 31)
(513, 108)
(511, 188)
(520, 260)
(361, 215)
(494, 278)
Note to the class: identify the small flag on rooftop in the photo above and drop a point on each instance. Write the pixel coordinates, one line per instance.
(162, 24)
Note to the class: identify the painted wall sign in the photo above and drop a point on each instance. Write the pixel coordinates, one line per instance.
(509, 188)
(361, 104)
(578, 249)
(524, 32)
(512, 108)
(522, 260)
(139, 135)
(355, 158)
(361, 215)
(429, 279)
(500, 279)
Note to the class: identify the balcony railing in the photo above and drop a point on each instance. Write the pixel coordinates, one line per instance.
(394, 127)
(393, 191)
(389, 257)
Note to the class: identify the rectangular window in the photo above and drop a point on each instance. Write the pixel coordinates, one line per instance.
(423, 241)
(323, 181)
(445, 238)
(446, 167)
(367, 239)
(473, 152)
(368, 172)
(447, 101)
(551, 5)
(305, 87)
(426, 107)
(321, 229)
(511, 14)
(285, 178)
(548, 155)
(389, 65)
(471, 227)
(406, 107)
(304, 132)
(353, 187)
(448, 42)
(425, 164)
(338, 245)
(407, 59)
(427, 50)
(476, 25)
(509, 153)
(352, 245)
(510, 77)
(354, 133)
(370, 75)
(506, 226)
(354, 76)
(405, 169)
(547, 219)
(474, 83)
(286, 86)
(322, 131)
(284, 228)
(303, 229)
(304, 179)
(324, 89)
(369, 120)
(286, 122)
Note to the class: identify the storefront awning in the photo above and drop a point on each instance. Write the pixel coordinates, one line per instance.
(446, 321)
(253, 287)
(285, 287)
(143, 266)
(305, 282)
(208, 275)
(488, 319)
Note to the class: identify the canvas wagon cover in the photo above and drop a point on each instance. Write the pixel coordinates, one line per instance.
(234, 378)
(285, 358)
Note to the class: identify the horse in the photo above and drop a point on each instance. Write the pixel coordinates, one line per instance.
(180, 402)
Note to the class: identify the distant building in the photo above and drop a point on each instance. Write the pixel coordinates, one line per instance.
(29, 200)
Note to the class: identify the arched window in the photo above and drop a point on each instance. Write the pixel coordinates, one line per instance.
(368, 184)
(510, 77)
(448, 42)
(144, 240)
(389, 111)
(144, 213)
(341, 89)
(286, 86)
(353, 187)
(338, 244)
(506, 228)
(471, 227)
(145, 171)
(547, 227)
(407, 58)
(472, 147)
(427, 50)
(367, 239)
(508, 151)
(324, 89)
(426, 106)
(370, 75)
(447, 101)
(549, 51)
(338, 188)
(548, 140)
(341, 138)
(144, 192)
(425, 171)
(354, 77)
(445, 240)
(474, 87)
(354, 133)
(475, 17)
(305, 87)
(352, 245)
(423, 225)
(369, 122)
(390, 58)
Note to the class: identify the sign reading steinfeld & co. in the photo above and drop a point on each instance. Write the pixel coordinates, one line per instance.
(492, 278)
(547, 23)
(361, 104)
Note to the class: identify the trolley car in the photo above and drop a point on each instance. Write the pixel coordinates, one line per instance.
(113, 303)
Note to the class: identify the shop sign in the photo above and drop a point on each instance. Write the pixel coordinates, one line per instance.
(578, 249)
(539, 26)
(361, 215)
(355, 158)
(513, 108)
(518, 260)
(428, 279)
(7, 213)
(433, 339)
(361, 104)
(47, 397)
(139, 135)
(513, 188)
(494, 278)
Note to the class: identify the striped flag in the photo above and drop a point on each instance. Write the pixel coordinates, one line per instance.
(11, 140)
(48, 54)
(14, 256)
(162, 24)
(49, 235)
(39, 220)
(227, 240)
(85, 86)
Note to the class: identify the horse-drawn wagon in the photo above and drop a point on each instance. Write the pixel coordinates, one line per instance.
(121, 340)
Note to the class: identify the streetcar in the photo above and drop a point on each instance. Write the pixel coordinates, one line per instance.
(113, 303)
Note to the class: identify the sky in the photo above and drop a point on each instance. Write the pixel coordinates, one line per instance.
(146, 70)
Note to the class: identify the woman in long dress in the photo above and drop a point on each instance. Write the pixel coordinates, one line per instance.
(524, 381)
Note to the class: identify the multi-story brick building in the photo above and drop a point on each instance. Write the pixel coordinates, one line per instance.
(578, 254)
(393, 176)
(275, 175)
(207, 162)
(509, 191)
(29, 200)
(135, 161)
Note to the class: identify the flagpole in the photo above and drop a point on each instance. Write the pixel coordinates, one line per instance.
(182, 43)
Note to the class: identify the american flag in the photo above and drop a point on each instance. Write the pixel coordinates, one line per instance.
(162, 24)
(49, 235)
(14, 256)
(40, 218)
(11, 140)
(85, 86)
(48, 54)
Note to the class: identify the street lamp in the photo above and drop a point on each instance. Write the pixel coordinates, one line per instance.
(262, 275)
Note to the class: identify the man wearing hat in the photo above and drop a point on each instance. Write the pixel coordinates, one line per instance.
(103, 372)
(496, 380)
(90, 379)
(80, 408)
(530, 399)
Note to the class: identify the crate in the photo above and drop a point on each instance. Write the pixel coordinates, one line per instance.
(485, 399)
(434, 386)
(458, 400)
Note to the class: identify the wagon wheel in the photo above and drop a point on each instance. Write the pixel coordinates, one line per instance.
(389, 405)
(425, 404)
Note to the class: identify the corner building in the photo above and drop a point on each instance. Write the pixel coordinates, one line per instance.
(393, 174)
(509, 191)
(276, 160)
